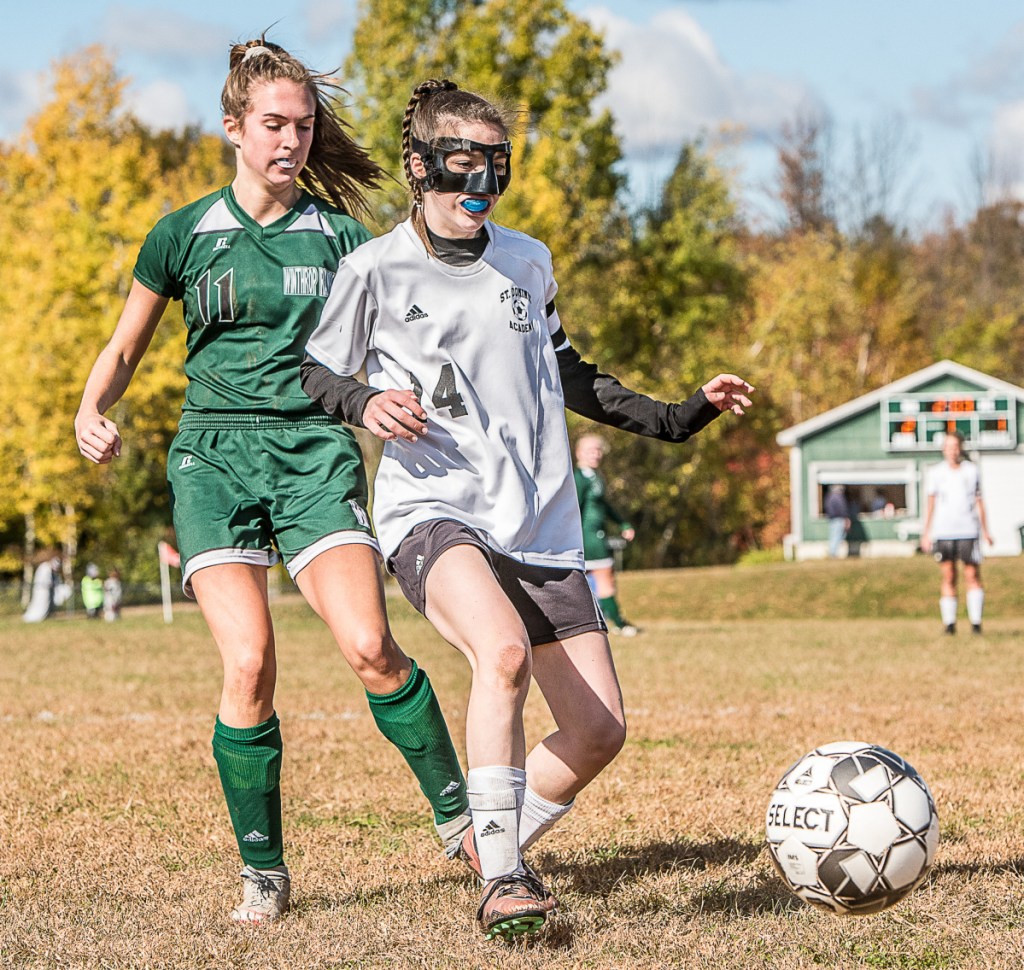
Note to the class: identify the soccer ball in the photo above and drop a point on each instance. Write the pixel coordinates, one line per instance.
(852, 828)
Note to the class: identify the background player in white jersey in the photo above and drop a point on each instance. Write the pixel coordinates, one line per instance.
(256, 471)
(469, 374)
(954, 523)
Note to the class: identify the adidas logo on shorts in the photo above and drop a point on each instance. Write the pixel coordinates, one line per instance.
(415, 313)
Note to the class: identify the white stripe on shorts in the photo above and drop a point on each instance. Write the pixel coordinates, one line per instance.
(347, 537)
(219, 557)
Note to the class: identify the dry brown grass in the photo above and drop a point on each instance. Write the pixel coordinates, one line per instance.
(115, 849)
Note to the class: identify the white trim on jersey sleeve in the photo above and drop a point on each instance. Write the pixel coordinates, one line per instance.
(311, 220)
(343, 336)
(217, 218)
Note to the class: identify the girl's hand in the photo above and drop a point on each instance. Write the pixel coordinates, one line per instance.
(98, 438)
(395, 414)
(727, 392)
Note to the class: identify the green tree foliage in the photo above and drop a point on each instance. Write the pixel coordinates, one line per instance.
(533, 54)
(670, 323)
(975, 290)
(82, 187)
(831, 319)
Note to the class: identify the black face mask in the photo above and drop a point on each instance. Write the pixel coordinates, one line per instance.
(490, 178)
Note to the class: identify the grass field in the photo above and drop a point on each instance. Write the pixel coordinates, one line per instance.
(115, 849)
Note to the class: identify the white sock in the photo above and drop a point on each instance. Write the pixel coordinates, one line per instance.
(975, 602)
(538, 816)
(947, 609)
(496, 795)
(452, 831)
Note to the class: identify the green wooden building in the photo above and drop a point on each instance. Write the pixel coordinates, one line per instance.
(879, 445)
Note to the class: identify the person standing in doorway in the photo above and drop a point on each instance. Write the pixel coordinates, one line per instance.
(954, 524)
(837, 509)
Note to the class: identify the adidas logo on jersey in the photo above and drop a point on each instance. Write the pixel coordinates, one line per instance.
(187, 461)
(491, 828)
(255, 836)
(415, 313)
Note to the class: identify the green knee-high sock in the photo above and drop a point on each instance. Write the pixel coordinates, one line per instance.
(249, 761)
(610, 609)
(410, 718)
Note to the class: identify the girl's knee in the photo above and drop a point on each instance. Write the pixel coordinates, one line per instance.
(506, 666)
(248, 674)
(607, 739)
(374, 657)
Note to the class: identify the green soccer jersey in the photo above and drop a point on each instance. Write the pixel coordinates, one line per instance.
(251, 297)
(595, 512)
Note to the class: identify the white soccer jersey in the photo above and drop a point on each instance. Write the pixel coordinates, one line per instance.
(474, 343)
(956, 492)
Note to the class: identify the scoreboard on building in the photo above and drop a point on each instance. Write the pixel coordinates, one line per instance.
(919, 422)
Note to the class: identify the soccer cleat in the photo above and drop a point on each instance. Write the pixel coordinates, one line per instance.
(514, 904)
(626, 630)
(265, 894)
(466, 853)
(950, 629)
(976, 628)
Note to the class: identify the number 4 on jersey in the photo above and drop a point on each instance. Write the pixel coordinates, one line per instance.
(446, 393)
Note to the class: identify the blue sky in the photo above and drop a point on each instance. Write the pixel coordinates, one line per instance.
(939, 81)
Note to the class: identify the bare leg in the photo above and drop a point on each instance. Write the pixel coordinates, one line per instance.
(233, 599)
(577, 677)
(343, 585)
(469, 609)
(604, 581)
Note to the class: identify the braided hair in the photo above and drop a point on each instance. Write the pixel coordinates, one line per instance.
(337, 169)
(437, 107)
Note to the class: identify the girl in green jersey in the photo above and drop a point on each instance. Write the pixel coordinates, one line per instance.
(257, 473)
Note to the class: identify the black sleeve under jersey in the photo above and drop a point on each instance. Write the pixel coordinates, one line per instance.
(600, 397)
(343, 397)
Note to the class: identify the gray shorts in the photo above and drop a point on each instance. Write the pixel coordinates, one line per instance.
(553, 603)
(950, 550)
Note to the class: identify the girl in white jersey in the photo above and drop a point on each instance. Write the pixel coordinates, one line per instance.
(954, 524)
(256, 472)
(469, 372)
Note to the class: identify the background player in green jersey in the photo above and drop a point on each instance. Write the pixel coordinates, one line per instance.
(596, 512)
(256, 471)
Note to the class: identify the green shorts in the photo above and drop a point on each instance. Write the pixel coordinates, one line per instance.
(283, 490)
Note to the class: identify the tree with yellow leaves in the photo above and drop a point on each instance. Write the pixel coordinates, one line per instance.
(82, 186)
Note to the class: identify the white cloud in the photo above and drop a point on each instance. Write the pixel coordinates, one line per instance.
(164, 34)
(327, 18)
(21, 94)
(993, 74)
(161, 105)
(672, 84)
(1007, 151)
